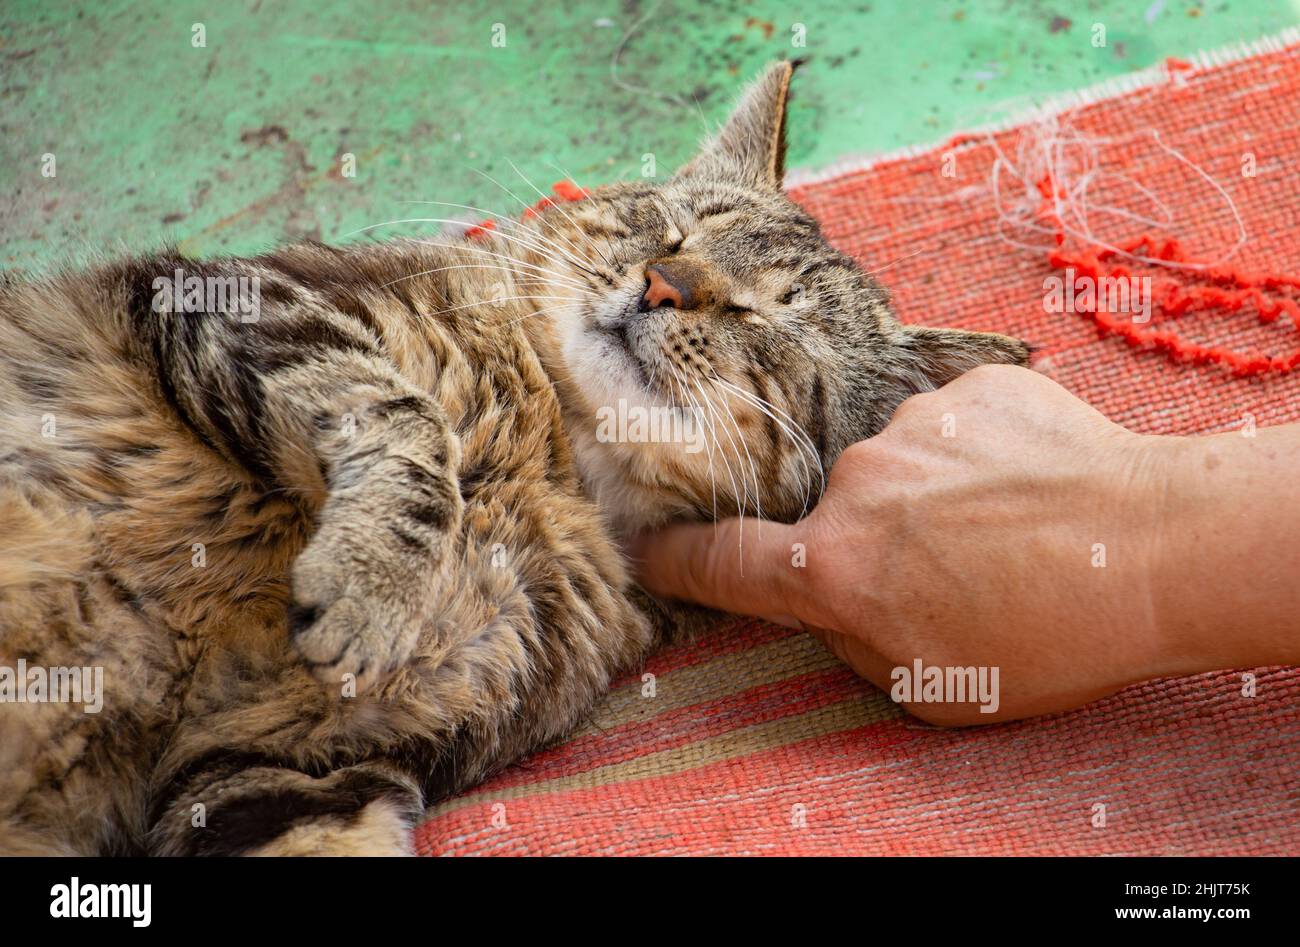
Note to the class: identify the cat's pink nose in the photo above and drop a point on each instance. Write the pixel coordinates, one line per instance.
(660, 291)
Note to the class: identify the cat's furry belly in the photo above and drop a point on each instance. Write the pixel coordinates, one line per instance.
(127, 544)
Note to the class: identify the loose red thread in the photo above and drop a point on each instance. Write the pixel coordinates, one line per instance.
(1229, 289)
(1236, 290)
(565, 191)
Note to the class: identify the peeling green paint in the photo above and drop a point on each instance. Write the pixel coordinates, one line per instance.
(238, 145)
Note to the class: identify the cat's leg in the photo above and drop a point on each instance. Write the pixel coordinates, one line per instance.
(94, 679)
(236, 804)
(306, 400)
(365, 585)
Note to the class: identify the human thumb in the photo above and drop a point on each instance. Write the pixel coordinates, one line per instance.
(740, 565)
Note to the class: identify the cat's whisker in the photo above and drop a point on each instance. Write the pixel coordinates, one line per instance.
(516, 228)
(519, 200)
(803, 442)
(809, 491)
(525, 280)
(736, 491)
(502, 299)
(538, 240)
(549, 244)
(581, 233)
(717, 378)
(713, 446)
(538, 312)
(893, 262)
(551, 275)
(569, 177)
(462, 246)
(742, 494)
(726, 430)
(798, 437)
(524, 204)
(758, 499)
(804, 447)
(679, 382)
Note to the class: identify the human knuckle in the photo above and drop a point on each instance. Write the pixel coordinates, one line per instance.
(993, 377)
(859, 453)
(993, 370)
(909, 407)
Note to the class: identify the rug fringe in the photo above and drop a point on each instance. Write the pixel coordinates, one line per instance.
(1056, 104)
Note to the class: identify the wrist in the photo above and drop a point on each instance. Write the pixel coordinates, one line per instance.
(1220, 590)
(1154, 617)
(1177, 505)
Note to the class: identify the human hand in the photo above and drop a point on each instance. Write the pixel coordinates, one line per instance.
(999, 522)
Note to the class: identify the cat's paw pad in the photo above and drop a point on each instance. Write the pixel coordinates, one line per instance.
(334, 643)
(353, 629)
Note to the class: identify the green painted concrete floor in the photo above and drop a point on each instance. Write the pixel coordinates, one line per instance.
(237, 145)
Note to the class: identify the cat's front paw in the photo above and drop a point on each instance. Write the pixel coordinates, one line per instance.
(358, 606)
(345, 643)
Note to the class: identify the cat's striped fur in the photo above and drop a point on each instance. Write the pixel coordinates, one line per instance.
(355, 555)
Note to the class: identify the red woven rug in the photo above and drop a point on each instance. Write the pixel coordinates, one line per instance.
(755, 741)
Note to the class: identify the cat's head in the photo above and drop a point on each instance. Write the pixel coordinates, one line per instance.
(715, 351)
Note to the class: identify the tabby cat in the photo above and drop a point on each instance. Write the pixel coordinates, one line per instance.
(346, 558)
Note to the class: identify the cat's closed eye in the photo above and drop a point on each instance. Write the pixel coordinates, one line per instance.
(713, 210)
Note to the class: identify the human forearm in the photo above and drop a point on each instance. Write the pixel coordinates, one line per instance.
(1227, 580)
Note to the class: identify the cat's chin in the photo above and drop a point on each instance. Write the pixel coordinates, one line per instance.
(623, 363)
(607, 371)
(627, 506)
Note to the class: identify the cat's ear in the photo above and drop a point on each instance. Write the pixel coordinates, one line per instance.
(750, 149)
(940, 355)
